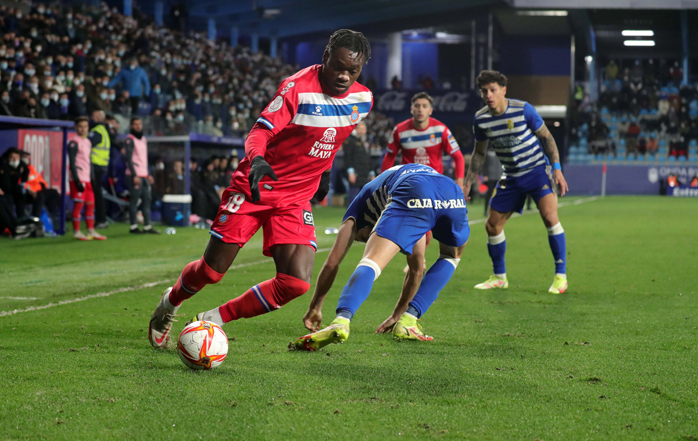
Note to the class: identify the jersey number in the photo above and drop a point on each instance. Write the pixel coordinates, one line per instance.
(234, 202)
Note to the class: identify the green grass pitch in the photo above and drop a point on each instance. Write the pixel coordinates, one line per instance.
(614, 358)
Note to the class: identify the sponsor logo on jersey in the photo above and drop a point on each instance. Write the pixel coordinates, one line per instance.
(276, 104)
(506, 141)
(308, 218)
(318, 111)
(286, 88)
(329, 135)
(436, 204)
(223, 218)
(354, 114)
(421, 156)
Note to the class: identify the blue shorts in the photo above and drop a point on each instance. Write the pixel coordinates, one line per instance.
(422, 203)
(510, 193)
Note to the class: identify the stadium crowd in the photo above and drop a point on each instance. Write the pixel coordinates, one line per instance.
(643, 113)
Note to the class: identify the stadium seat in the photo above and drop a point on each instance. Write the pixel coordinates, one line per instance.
(693, 143)
(651, 158)
(661, 159)
(682, 159)
(671, 159)
(622, 142)
(630, 157)
(599, 157)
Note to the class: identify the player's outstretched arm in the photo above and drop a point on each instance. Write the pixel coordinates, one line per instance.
(476, 161)
(413, 278)
(546, 138)
(345, 237)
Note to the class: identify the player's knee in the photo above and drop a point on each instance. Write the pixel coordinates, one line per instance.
(288, 288)
(492, 228)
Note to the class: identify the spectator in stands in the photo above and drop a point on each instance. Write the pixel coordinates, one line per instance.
(78, 102)
(357, 160)
(5, 104)
(632, 135)
(611, 70)
(64, 103)
(175, 179)
(652, 144)
(122, 105)
(135, 82)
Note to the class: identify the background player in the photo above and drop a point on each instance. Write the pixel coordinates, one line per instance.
(421, 199)
(422, 139)
(516, 131)
(293, 143)
(79, 150)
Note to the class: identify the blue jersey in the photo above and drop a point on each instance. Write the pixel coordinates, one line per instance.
(513, 138)
(406, 201)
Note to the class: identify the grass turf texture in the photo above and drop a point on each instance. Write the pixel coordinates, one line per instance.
(613, 358)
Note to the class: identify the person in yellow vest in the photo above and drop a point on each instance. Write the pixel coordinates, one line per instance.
(101, 145)
(139, 180)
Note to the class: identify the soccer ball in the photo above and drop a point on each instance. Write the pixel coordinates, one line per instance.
(202, 345)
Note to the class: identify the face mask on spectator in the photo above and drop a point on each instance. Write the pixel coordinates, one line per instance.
(19, 55)
(14, 164)
(79, 93)
(70, 77)
(157, 91)
(69, 16)
(5, 99)
(30, 72)
(117, 63)
(49, 61)
(112, 97)
(54, 97)
(105, 83)
(163, 72)
(132, 67)
(108, 60)
(47, 72)
(41, 10)
(2, 52)
(48, 84)
(34, 87)
(61, 77)
(121, 52)
(200, 88)
(38, 48)
(34, 34)
(109, 73)
(207, 99)
(65, 102)
(3, 65)
(19, 16)
(45, 101)
(77, 82)
(219, 124)
(19, 83)
(236, 125)
(70, 64)
(104, 96)
(180, 118)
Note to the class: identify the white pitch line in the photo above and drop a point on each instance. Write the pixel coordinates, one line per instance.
(20, 298)
(242, 265)
(117, 291)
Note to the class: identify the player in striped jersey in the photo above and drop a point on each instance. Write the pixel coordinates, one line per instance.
(518, 136)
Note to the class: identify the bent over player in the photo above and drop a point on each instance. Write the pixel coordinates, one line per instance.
(288, 150)
(516, 132)
(79, 149)
(407, 202)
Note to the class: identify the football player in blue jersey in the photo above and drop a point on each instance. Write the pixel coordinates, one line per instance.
(521, 141)
(392, 214)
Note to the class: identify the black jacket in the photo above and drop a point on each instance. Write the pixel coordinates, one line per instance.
(357, 156)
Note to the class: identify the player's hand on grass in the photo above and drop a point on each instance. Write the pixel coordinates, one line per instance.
(560, 181)
(312, 320)
(387, 325)
(259, 169)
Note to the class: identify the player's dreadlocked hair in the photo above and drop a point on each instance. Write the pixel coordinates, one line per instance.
(352, 40)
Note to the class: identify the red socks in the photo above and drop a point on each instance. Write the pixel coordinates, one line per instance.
(265, 297)
(194, 277)
(90, 215)
(77, 208)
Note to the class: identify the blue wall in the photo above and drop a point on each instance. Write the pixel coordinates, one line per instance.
(419, 59)
(523, 55)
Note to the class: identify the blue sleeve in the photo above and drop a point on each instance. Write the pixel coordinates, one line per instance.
(146, 82)
(480, 134)
(533, 119)
(116, 79)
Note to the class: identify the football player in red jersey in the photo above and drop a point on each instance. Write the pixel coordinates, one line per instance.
(288, 155)
(422, 139)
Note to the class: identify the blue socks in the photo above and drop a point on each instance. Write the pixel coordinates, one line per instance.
(358, 288)
(434, 281)
(497, 246)
(556, 238)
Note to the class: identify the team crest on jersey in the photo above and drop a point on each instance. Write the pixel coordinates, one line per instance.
(223, 218)
(355, 114)
(432, 138)
(276, 104)
(329, 135)
(510, 124)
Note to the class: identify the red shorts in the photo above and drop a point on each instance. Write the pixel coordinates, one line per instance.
(84, 196)
(238, 220)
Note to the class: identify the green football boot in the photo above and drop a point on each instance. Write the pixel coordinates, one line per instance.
(337, 332)
(407, 328)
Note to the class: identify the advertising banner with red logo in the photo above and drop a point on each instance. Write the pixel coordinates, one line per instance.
(46, 149)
